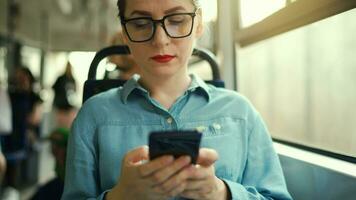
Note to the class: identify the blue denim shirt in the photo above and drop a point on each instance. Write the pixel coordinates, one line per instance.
(114, 122)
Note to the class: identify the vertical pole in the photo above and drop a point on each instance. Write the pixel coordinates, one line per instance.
(226, 42)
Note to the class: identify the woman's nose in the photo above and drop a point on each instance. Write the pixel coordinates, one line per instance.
(160, 37)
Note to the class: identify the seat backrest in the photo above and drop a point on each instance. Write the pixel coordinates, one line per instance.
(93, 86)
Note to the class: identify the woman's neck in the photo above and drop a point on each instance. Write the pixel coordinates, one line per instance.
(166, 90)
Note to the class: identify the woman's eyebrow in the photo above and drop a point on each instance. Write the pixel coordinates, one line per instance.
(140, 12)
(172, 10)
(147, 13)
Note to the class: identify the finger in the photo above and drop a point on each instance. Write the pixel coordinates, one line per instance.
(207, 157)
(175, 180)
(167, 172)
(150, 167)
(195, 184)
(191, 194)
(136, 155)
(199, 172)
(177, 190)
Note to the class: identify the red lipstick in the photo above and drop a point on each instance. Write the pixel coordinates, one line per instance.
(162, 58)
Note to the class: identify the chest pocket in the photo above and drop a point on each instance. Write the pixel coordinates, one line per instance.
(228, 136)
(223, 126)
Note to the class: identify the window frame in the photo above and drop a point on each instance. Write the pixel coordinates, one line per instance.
(293, 16)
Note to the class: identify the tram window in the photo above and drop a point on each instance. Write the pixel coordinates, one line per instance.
(253, 11)
(303, 83)
(31, 58)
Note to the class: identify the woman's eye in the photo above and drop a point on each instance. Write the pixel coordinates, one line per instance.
(141, 23)
(176, 20)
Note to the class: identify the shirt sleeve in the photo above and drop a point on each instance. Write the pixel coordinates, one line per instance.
(262, 177)
(81, 179)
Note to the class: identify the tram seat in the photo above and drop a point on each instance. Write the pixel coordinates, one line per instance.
(93, 86)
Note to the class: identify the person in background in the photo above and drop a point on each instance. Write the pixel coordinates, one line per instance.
(5, 127)
(64, 88)
(125, 64)
(26, 116)
(5, 110)
(17, 146)
(107, 156)
(2, 168)
(54, 188)
(64, 98)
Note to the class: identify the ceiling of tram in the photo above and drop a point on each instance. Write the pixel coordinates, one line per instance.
(60, 24)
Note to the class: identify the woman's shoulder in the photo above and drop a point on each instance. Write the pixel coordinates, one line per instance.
(227, 95)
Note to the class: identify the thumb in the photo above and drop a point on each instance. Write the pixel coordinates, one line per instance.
(207, 157)
(136, 155)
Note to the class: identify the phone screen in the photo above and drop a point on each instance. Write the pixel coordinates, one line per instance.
(176, 143)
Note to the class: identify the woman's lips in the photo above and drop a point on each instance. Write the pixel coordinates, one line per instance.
(163, 58)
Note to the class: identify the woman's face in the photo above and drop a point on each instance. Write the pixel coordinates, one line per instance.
(162, 56)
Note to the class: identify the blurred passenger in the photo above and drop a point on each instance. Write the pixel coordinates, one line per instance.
(5, 127)
(26, 117)
(64, 90)
(2, 167)
(54, 188)
(5, 110)
(64, 95)
(125, 64)
(2, 172)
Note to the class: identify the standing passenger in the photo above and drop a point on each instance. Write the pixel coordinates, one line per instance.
(106, 146)
(64, 88)
(64, 95)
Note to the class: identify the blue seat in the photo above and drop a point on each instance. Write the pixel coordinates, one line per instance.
(93, 86)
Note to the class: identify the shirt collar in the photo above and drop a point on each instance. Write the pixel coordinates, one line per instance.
(197, 86)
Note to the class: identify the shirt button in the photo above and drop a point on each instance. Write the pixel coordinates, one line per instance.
(169, 120)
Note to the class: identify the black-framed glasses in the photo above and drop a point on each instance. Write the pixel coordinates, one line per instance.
(142, 29)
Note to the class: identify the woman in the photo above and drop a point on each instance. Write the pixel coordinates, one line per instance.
(101, 163)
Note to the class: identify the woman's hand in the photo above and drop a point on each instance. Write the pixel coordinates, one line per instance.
(202, 183)
(161, 178)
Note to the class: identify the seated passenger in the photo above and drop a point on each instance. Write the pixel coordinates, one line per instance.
(26, 109)
(107, 157)
(54, 188)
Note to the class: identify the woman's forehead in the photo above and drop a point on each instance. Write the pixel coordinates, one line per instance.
(157, 6)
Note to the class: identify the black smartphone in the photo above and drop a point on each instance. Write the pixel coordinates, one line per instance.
(176, 143)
